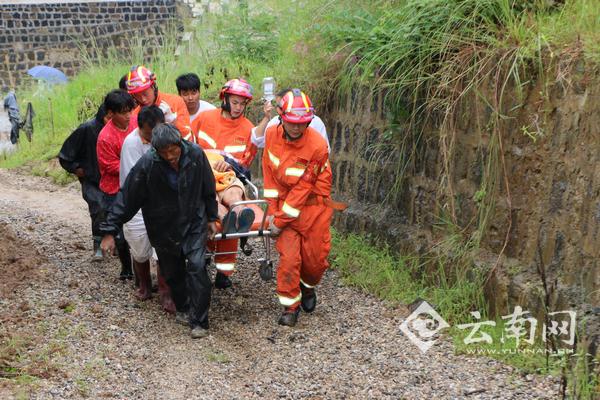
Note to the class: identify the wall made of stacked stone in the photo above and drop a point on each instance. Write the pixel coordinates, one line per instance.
(64, 34)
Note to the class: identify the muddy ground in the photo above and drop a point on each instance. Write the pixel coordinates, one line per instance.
(71, 329)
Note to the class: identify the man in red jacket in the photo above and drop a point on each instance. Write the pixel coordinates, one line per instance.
(118, 106)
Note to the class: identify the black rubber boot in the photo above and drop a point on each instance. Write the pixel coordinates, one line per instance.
(222, 281)
(289, 317)
(309, 298)
(125, 258)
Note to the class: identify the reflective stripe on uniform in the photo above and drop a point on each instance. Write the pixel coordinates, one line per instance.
(306, 284)
(289, 301)
(225, 266)
(325, 166)
(273, 159)
(204, 136)
(187, 137)
(234, 149)
(294, 171)
(271, 193)
(289, 210)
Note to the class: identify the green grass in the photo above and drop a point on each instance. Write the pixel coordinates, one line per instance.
(402, 279)
(252, 47)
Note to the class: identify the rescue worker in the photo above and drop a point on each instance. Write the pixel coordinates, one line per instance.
(267, 122)
(188, 87)
(174, 186)
(141, 84)
(226, 131)
(78, 156)
(118, 106)
(297, 186)
(136, 144)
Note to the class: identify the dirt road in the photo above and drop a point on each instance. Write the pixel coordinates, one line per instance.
(74, 330)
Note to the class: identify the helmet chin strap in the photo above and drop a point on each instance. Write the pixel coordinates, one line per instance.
(225, 106)
(287, 135)
(155, 93)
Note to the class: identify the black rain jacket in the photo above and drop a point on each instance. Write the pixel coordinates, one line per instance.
(79, 150)
(174, 219)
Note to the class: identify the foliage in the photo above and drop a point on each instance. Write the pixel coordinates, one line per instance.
(399, 279)
(250, 45)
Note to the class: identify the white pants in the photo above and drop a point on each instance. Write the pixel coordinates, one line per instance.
(136, 236)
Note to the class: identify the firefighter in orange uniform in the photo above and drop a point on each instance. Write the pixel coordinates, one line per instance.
(297, 186)
(227, 131)
(141, 84)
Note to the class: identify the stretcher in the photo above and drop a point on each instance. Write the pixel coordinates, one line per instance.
(259, 229)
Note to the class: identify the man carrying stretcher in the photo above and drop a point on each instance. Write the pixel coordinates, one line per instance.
(225, 132)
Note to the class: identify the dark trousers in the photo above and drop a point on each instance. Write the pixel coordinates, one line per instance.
(120, 242)
(107, 202)
(185, 270)
(93, 197)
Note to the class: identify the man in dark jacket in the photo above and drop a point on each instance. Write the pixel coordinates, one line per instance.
(78, 156)
(174, 186)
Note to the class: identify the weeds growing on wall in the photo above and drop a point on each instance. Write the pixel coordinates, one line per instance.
(432, 58)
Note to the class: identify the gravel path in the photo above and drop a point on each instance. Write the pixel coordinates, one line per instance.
(95, 340)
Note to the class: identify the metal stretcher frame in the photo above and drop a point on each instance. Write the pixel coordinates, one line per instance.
(265, 264)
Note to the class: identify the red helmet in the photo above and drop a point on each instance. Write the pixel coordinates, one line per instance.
(296, 107)
(238, 87)
(139, 79)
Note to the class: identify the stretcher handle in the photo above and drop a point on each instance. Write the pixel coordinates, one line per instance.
(250, 234)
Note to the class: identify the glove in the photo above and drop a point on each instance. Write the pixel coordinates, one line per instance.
(170, 116)
(275, 231)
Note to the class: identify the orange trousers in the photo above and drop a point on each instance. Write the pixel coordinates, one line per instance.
(225, 263)
(303, 247)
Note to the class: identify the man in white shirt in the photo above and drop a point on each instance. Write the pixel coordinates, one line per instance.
(136, 144)
(258, 133)
(188, 87)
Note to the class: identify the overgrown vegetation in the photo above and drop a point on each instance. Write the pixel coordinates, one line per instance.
(435, 59)
(376, 269)
(252, 46)
(431, 57)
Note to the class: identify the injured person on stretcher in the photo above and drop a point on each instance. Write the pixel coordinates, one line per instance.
(230, 190)
(234, 219)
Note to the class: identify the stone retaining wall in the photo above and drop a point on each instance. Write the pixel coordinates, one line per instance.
(551, 216)
(54, 33)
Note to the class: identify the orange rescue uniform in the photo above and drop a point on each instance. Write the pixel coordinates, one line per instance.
(212, 131)
(178, 108)
(297, 183)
